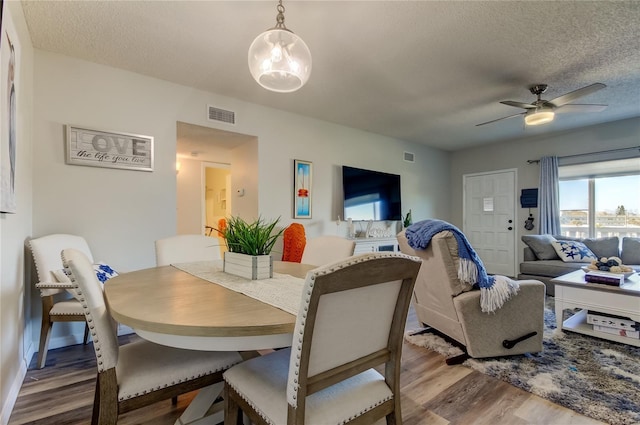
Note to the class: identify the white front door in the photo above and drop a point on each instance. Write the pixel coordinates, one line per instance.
(489, 219)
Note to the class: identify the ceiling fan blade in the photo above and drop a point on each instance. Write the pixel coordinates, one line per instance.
(571, 96)
(500, 119)
(518, 104)
(575, 107)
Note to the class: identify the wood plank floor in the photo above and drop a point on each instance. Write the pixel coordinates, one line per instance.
(432, 393)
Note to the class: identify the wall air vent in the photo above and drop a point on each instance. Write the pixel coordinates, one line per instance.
(409, 157)
(221, 115)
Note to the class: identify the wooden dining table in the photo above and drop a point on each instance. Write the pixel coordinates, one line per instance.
(171, 307)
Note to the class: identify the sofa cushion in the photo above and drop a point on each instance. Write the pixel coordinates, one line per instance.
(548, 268)
(630, 251)
(573, 251)
(604, 247)
(542, 246)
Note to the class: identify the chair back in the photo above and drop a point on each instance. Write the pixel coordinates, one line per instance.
(438, 283)
(327, 249)
(46, 256)
(352, 318)
(293, 243)
(187, 248)
(89, 292)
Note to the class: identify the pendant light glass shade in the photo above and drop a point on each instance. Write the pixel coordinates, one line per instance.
(279, 60)
(539, 116)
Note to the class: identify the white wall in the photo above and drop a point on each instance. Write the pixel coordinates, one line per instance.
(514, 154)
(15, 299)
(122, 212)
(188, 199)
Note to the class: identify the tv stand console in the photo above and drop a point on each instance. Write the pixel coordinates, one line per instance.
(364, 245)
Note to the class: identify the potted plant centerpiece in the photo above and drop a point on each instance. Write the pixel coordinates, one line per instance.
(249, 247)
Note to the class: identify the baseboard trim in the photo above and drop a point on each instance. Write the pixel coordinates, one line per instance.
(12, 396)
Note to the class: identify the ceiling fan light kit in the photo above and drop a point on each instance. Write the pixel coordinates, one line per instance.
(538, 117)
(279, 60)
(543, 111)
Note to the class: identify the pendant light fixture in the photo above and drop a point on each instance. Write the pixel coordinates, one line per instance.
(279, 60)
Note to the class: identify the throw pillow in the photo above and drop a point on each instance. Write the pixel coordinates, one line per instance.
(541, 245)
(630, 251)
(573, 252)
(103, 272)
(604, 247)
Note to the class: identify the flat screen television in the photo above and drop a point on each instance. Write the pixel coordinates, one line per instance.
(371, 195)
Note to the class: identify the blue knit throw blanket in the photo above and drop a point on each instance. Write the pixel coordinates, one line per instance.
(494, 290)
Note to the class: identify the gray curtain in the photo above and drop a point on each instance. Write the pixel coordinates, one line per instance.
(548, 196)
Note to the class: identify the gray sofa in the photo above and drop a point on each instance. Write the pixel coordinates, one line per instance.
(541, 262)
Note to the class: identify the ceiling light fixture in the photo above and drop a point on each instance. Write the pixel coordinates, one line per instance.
(279, 60)
(539, 116)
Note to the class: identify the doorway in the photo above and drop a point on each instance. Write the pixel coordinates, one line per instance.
(199, 148)
(217, 185)
(489, 211)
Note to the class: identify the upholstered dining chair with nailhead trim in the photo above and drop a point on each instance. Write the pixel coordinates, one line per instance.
(351, 320)
(187, 248)
(57, 304)
(327, 249)
(139, 373)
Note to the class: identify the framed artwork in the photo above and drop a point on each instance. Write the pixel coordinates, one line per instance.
(302, 193)
(97, 148)
(9, 63)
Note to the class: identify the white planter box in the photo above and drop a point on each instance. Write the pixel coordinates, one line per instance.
(248, 266)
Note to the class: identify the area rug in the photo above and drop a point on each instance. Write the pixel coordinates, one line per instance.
(591, 376)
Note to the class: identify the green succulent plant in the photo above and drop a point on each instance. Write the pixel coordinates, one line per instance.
(255, 238)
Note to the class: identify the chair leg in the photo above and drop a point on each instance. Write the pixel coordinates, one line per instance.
(105, 404)
(231, 409)
(95, 414)
(86, 334)
(45, 334)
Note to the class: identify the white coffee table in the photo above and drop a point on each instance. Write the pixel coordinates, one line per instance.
(573, 292)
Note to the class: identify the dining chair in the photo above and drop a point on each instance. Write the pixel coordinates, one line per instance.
(187, 248)
(139, 373)
(293, 243)
(351, 320)
(57, 305)
(327, 249)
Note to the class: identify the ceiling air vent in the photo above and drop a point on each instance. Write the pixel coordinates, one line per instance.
(222, 115)
(409, 157)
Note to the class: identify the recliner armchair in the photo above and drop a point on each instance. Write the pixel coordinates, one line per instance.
(443, 302)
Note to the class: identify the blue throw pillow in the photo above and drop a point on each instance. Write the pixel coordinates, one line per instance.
(573, 252)
(104, 272)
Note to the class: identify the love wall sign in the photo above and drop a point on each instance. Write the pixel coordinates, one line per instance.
(97, 148)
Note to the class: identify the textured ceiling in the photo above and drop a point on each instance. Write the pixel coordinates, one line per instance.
(422, 71)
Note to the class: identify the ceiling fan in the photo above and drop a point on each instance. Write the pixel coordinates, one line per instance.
(543, 111)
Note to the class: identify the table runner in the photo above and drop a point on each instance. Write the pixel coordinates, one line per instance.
(281, 291)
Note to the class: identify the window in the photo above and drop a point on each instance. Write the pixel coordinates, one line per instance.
(600, 199)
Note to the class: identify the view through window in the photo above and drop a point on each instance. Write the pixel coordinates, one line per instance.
(600, 206)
